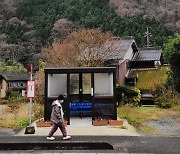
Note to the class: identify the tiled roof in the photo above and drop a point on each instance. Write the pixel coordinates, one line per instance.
(16, 76)
(148, 54)
(114, 48)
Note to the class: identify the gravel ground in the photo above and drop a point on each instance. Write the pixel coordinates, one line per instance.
(169, 125)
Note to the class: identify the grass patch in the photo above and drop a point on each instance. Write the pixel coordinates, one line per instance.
(17, 115)
(148, 129)
(137, 115)
(123, 127)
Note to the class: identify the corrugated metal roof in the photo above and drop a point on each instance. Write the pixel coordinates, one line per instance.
(114, 48)
(119, 46)
(16, 76)
(148, 54)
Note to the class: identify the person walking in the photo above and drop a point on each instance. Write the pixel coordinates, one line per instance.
(57, 119)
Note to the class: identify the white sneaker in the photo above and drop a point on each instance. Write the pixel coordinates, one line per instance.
(50, 138)
(66, 138)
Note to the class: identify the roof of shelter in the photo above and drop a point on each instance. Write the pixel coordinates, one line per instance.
(148, 54)
(16, 76)
(113, 48)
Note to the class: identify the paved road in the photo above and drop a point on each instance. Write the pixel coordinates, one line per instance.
(121, 144)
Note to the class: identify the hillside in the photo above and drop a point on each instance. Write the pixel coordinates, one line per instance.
(26, 26)
(18, 39)
(165, 11)
(8, 8)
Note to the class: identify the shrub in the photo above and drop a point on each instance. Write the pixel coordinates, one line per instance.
(23, 123)
(127, 95)
(38, 111)
(15, 96)
(166, 98)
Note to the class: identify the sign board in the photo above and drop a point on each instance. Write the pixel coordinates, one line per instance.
(31, 89)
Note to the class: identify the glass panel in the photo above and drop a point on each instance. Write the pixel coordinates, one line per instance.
(86, 83)
(74, 83)
(103, 84)
(57, 84)
(103, 111)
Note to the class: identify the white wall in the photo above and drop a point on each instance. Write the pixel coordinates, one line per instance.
(128, 54)
(57, 84)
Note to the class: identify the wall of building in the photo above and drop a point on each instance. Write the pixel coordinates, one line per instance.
(129, 54)
(3, 89)
(122, 72)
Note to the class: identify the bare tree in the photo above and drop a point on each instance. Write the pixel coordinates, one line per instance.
(100, 55)
(61, 29)
(68, 53)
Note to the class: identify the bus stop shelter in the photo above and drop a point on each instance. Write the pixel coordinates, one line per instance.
(86, 90)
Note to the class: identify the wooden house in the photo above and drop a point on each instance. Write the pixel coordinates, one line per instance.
(117, 52)
(123, 53)
(146, 58)
(13, 82)
(146, 72)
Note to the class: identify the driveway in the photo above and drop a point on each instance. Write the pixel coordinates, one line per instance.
(168, 126)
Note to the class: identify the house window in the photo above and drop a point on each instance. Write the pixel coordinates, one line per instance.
(17, 85)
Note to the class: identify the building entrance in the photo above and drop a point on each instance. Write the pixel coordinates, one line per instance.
(80, 95)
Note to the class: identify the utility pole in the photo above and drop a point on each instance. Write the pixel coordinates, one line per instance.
(147, 35)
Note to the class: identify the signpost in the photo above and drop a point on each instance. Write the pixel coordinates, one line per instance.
(30, 94)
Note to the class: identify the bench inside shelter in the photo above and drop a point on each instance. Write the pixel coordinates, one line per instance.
(80, 107)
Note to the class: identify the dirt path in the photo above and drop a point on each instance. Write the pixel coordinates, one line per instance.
(169, 125)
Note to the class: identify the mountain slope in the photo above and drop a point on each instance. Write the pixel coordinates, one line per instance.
(21, 37)
(165, 11)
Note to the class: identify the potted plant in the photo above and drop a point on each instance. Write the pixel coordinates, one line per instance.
(115, 122)
(100, 122)
(43, 123)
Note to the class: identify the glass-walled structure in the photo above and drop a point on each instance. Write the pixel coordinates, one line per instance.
(87, 90)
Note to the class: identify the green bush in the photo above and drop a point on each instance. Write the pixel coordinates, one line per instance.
(166, 98)
(162, 102)
(15, 96)
(23, 123)
(127, 95)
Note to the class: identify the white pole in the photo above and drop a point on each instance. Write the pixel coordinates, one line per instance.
(30, 106)
(30, 112)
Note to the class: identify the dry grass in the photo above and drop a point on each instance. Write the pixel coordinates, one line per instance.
(137, 115)
(142, 114)
(17, 115)
(148, 129)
